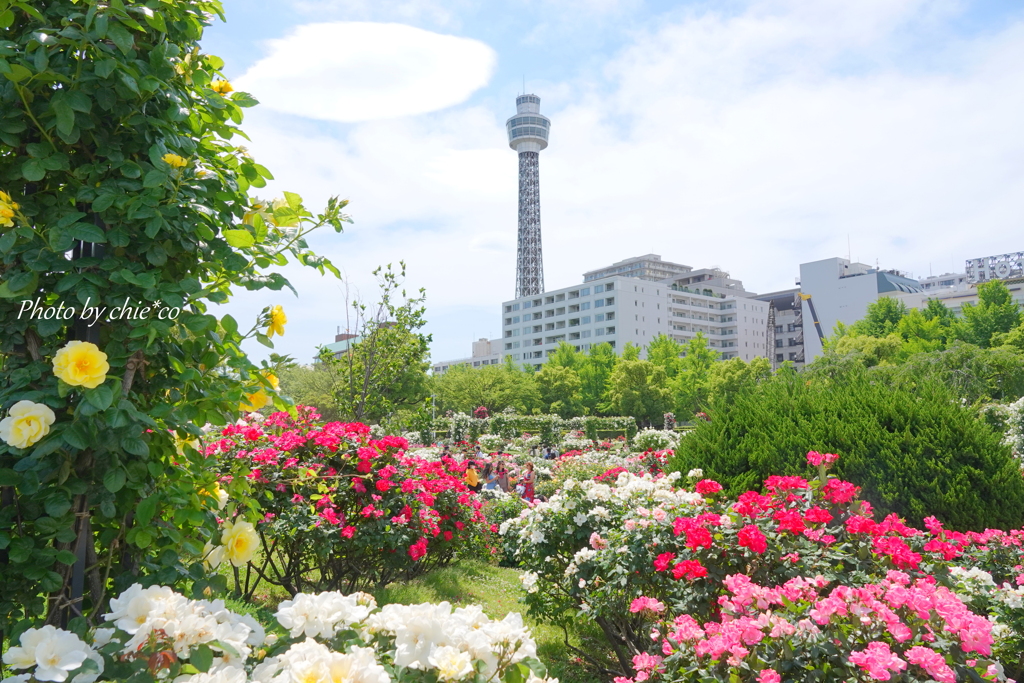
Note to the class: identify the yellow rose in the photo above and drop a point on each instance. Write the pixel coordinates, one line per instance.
(277, 321)
(259, 399)
(218, 494)
(81, 364)
(239, 541)
(174, 161)
(27, 423)
(213, 556)
(7, 209)
(221, 86)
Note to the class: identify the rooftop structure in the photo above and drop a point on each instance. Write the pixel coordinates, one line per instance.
(647, 267)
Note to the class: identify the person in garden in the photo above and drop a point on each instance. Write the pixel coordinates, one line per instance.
(479, 453)
(527, 482)
(472, 477)
(490, 477)
(501, 473)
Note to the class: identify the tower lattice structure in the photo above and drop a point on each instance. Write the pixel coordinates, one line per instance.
(528, 135)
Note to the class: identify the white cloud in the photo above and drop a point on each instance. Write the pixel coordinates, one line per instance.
(754, 141)
(361, 71)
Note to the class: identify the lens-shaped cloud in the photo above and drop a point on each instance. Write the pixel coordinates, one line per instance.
(362, 71)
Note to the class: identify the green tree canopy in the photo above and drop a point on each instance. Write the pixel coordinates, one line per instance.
(995, 313)
(639, 388)
(882, 317)
(560, 390)
(464, 388)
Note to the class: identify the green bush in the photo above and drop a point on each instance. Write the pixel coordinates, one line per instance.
(916, 451)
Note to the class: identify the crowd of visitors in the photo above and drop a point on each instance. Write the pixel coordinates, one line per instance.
(491, 472)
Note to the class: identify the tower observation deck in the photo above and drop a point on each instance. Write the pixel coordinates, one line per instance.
(528, 135)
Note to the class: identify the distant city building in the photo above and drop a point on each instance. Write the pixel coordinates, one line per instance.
(838, 290)
(343, 341)
(788, 341)
(956, 289)
(485, 352)
(621, 309)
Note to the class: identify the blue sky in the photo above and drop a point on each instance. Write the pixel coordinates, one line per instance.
(748, 135)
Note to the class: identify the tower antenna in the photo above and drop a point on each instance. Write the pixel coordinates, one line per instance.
(528, 135)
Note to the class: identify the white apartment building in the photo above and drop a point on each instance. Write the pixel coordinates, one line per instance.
(635, 308)
(956, 289)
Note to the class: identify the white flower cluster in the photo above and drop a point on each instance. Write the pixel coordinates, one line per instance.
(141, 612)
(655, 440)
(54, 653)
(324, 614)
(431, 636)
(152, 623)
(491, 443)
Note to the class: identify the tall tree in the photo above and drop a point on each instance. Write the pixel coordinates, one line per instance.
(690, 386)
(565, 355)
(667, 353)
(561, 390)
(640, 389)
(881, 318)
(594, 374)
(995, 313)
(385, 368)
(496, 387)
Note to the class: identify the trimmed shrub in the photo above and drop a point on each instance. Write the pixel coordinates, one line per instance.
(916, 452)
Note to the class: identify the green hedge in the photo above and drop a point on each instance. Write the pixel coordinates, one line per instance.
(914, 450)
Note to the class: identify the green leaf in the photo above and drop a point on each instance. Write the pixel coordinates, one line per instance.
(32, 170)
(79, 101)
(65, 115)
(76, 436)
(239, 238)
(6, 18)
(154, 178)
(7, 241)
(66, 557)
(121, 37)
(146, 509)
(201, 658)
(135, 445)
(87, 232)
(142, 538)
(244, 99)
(105, 67)
(101, 397)
(57, 505)
(17, 73)
(114, 479)
(230, 324)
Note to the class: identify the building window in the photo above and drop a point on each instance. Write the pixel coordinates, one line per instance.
(515, 332)
(508, 321)
(611, 330)
(575, 308)
(508, 309)
(599, 332)
(599, 303)
(538, 315)
(778, 329)
(560, 297)
(549, 326)
(574, 335)
(515, 319)
(610, 301)
(536, 302)
(610, 315)
(515, 345)
(549, 299)
(794, 342)
(508, 347)
(599, 318)
(508, 333)
(585, 306)
(536, 328)
(515, 307)
(585, 320)
(608, 287)
(560, 310)
(585, 291)
(585, 334)
(527, 304)
(779, 357)
(574, 322)
(560, 324)
(598, 289)
(792, 355)
(778, 343)
(575, 294)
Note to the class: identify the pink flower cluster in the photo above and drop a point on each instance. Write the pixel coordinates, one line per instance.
(816, 458)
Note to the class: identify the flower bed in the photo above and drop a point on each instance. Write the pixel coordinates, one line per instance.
(595, 548)
(344, 510)
(157, 634)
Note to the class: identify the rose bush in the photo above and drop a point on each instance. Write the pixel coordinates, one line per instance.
(596, 547)
(342, 509)
(156, 634)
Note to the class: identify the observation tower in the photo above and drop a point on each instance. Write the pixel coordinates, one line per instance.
(528, 135)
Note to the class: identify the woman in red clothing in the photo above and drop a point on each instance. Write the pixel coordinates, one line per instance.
(527, 481)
